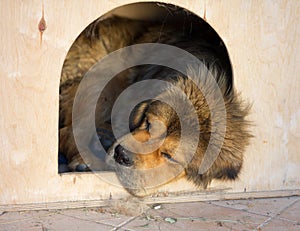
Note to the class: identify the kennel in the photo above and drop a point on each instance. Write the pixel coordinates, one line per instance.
(263, 41)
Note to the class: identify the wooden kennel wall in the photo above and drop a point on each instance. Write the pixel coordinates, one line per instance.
(263, 41)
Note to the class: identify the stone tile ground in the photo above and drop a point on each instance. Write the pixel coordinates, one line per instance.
(256, 214)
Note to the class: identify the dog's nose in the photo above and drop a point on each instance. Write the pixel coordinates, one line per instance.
(123, 156)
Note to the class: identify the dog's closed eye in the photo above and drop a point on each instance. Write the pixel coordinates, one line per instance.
(170, 158)
(166, 155)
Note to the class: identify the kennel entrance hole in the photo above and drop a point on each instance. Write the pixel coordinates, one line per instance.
(153, 12)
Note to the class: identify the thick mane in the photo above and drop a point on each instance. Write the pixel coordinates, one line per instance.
(227, 163)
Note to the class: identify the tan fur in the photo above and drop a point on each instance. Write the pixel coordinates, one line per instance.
(103, 37)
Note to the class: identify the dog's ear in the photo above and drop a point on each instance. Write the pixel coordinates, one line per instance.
(138, 115)
(229, 172)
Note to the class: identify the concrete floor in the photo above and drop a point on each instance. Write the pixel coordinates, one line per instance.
(256, 214)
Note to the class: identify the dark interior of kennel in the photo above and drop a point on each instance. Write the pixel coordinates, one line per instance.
(188, 23)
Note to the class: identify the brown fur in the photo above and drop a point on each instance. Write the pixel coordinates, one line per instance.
(103, 37)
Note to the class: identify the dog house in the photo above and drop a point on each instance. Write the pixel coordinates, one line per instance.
(263, 42)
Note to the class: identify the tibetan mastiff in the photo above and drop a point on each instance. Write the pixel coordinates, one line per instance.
(179, 151)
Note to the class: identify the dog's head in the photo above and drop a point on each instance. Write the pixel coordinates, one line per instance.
(148, 156)
(165, 143)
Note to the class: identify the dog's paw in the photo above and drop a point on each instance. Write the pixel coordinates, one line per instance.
(78, 165)
(82, 168)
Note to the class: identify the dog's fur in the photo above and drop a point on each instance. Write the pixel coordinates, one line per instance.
(105, 36)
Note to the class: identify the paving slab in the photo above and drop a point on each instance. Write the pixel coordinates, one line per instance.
(266, 206)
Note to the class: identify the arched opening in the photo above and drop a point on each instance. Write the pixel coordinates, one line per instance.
(126, 25)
